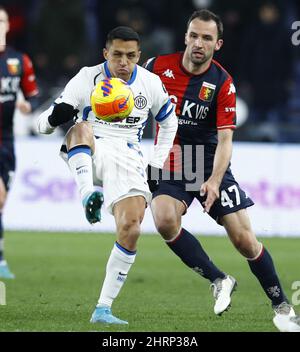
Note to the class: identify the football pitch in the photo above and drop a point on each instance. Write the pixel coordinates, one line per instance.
(59, 275)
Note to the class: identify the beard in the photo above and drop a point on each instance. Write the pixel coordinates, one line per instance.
(198, 61)
(201, 59)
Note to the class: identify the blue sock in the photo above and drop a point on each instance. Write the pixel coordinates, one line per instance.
(1, 238)
(263, 268)
(190, 251)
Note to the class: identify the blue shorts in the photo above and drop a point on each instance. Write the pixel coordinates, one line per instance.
(7, 164)
(232, 197)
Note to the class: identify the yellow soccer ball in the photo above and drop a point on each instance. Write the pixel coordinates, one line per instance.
(112, 100)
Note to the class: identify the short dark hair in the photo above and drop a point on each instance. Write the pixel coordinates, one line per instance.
(2, 8)
(123, 33)
(206, 15)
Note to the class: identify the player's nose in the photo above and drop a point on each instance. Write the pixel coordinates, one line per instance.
(198, 43)
(123, 60)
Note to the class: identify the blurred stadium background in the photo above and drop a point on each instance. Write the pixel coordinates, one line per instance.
(58, 276)
(61, 36)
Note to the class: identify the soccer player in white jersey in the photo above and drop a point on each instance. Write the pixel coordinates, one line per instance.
(108, 154)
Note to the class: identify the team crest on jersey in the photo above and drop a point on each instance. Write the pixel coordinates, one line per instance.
(207, 91)
(13, 66)
(140, 102)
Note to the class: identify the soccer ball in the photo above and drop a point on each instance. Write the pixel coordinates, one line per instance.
(112, 100)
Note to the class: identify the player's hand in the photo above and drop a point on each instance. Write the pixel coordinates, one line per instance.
(209, 188)
(24, 106)
(153, 176)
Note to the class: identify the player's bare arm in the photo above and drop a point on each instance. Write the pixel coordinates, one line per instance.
(221, 162)
(24, 107)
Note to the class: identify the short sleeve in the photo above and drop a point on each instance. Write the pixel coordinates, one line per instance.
(28, 80)
(226, 106)
(162, 106)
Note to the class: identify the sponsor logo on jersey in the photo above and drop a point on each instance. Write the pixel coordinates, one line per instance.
(207, 91)
(13, 66)
(9, 85)
(5, 98)
(230, 109)
(140, 102)
(132, 119)
(232, 89)
(169, 73)
(194, 111)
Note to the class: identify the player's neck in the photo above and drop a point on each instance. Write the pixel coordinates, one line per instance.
(193, 68)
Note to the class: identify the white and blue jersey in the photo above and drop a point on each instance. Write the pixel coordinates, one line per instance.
(150, 98)
(148, 92)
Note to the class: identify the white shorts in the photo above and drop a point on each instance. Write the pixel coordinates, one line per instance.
(119, 167)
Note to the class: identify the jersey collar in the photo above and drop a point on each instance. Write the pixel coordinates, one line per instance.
(132, 78)
(185, 71)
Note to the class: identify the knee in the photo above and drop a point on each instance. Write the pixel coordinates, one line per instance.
(82, 129)
(167, 225)
(2, 201)
(80, 133)
(167, 212)
(247, 244)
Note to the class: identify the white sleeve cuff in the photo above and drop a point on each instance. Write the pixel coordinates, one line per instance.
(43, 124)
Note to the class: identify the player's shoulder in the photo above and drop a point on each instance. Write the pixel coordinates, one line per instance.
(17, 57)
(162, 61)
(90, 72)
(145, 74)
(221, 70)
(11, 52)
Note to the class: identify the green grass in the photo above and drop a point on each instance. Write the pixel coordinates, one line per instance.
(59, 276)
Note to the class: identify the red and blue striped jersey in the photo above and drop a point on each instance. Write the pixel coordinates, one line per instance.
(16, 72)
(205, 103)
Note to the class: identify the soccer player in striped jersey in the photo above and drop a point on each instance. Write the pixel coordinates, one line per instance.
(16, 72)
(205, 99)
(108, 154)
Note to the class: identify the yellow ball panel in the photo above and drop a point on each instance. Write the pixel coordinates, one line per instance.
(112, 100)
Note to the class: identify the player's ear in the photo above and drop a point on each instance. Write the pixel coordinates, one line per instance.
(138, 56)
(185, 38)
(219, 44)
(105, 53)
